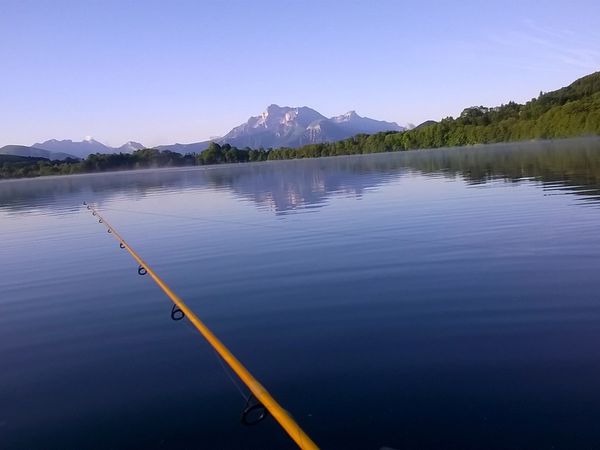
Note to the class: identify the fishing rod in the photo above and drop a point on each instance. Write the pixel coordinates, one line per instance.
(264, 400)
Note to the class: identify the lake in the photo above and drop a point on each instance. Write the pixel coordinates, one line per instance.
(436, 299)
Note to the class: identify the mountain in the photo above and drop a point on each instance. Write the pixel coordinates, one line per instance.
(79, 149)
(276, 127)
(86, 147)
(23, 150)
(196, 147)
(283, 126)
(130, 147)
(293, 127)
(350, 122)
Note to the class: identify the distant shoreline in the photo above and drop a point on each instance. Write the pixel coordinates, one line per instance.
(238, 164)
(569, 112)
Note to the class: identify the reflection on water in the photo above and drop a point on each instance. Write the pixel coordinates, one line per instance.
(430, 299)
(571, 166)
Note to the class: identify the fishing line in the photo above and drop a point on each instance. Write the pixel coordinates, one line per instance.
(201, 219)
(358, 235)
(192, 330)
(261, 400)
(231, 378)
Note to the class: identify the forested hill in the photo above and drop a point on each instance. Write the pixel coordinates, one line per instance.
(568, 112)
(571, 111)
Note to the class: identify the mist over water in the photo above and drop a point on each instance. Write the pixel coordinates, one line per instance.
(429, 299)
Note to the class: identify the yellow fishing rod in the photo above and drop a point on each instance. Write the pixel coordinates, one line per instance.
(260, 393)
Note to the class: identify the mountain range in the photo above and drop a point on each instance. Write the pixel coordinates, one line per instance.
(284, 126)
(276, 127)
(86, 147)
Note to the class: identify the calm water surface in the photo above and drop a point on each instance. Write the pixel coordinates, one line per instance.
(443, 299)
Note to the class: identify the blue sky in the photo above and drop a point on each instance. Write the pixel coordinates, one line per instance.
(182, 71)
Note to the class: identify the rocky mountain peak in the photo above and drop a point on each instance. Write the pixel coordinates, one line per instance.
(284, 126)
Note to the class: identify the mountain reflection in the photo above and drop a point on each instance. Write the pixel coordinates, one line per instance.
(289, 185)
(572, 166)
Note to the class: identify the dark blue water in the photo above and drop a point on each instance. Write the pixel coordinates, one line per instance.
(444, 299)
